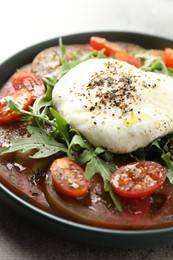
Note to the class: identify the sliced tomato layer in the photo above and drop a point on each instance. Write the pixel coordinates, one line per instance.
(68, 177)
(22, 98)
(138, 179)
(30, 81)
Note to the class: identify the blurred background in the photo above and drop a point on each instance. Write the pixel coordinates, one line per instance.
(24, 23)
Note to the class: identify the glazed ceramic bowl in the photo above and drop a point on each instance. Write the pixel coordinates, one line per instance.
(60, 226)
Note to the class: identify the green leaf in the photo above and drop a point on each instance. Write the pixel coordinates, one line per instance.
(62, 51)
(97, 165)
(169, 166)
(159, 66)
(78, 58)
(99, 54)
(92, 168)
(107, 156)
(86, 156)
(99, 150)
(115, 198)
(39, 140)
(153, 63)
(50, 81)
(63, 125)
(78, 143)
(13, 106)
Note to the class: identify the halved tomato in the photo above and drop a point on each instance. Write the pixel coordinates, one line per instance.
(29, 80)
(68, 177)
(138, 179)
(22, 98)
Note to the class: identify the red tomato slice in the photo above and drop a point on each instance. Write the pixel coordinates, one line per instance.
(68, 177)
(21, 97)
(127, 57)
(138, 179)
(28, 80)
(99, 43)
(168, 57)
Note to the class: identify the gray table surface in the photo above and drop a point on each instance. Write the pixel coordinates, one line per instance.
(25, 23)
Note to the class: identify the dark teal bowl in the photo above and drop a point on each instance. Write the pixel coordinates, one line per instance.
(62, 227)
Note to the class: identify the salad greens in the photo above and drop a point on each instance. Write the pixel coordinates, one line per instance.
(47, 127)
(154, 64)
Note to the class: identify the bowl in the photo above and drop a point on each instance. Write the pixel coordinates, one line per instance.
(62, 227)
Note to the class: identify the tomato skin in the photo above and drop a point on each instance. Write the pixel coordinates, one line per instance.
(127, 57)
(138, 179)
(168, 57)
(99, 43)
(68, 177)
(21, 97)
(28, 80)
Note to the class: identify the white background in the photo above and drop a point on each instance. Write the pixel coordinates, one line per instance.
(24, 23)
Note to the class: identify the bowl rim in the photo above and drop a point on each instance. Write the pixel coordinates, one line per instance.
(78, 225)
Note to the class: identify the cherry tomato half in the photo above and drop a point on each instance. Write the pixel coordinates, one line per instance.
(168, 57)
(21, 97)
(138, 179)
(68, 177)
(28, 80)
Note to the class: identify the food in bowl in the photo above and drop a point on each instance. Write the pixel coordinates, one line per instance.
(86, 134)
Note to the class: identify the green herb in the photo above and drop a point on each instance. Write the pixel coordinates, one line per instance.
(154, 64)
(62, 52)
(39, 140)
(66, 64)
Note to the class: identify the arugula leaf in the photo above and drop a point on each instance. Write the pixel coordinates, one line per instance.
(97, 165)
(105, 169)
(38, 113)
(13, 106)
(39, 140)
(77, 59)
(115, 198)
(163, 146)
(169, 166)
(50, 82)
(63, 125)
(154, 64)
(62, 52)
(78, 143)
